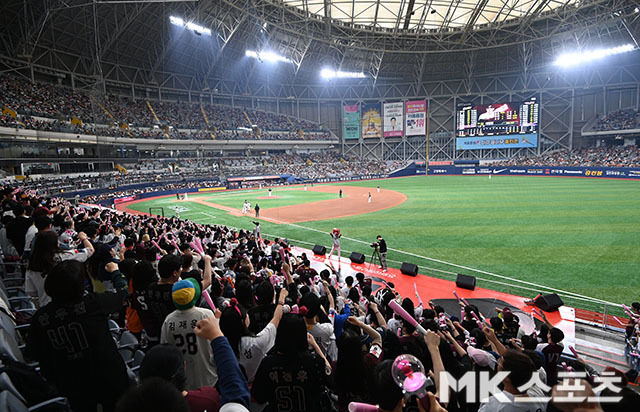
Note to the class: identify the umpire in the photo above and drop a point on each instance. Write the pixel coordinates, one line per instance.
(382, 244)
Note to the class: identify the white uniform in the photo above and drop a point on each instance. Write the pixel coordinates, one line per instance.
(336, 244)
(254, 348)
(177, 330)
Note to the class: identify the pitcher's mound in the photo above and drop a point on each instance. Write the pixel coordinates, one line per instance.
(268, 197)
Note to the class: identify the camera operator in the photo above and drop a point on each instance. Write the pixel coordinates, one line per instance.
(381, 244)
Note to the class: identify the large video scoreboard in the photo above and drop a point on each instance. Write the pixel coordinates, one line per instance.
(497, 125)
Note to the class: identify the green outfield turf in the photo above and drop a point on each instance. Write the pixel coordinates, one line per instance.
(579, 235)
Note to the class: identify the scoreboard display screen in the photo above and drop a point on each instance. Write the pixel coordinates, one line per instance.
(497, 125)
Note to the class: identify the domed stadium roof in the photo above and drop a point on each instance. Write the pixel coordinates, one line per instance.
(390, 42)
(434, 15)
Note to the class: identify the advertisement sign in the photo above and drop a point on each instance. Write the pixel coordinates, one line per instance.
(351, 122)
(393, 119)
(371, 121)
(416, 123)
(211, 189)
(496, 142)
(123, 199)
(572, 171)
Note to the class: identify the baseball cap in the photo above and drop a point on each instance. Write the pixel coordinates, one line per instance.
(507, 315)
(41, 211)
(482, 358)
(185, 293)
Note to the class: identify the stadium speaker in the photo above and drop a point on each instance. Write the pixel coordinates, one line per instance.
(466, 282)
(356, 257)
(549, 303)
(409, 269)
(319, 250)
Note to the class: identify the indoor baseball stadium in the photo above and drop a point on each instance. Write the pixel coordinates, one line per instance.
(319, 205)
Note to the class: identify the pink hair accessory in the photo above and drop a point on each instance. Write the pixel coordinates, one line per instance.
(233, 302)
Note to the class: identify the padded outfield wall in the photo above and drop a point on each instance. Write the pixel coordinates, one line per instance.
(470, 169)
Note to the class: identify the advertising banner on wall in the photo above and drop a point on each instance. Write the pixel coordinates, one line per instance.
(569, 171)
(497, 142)
(416, 122)
(351, 122)
(371, 121)
(393, 119)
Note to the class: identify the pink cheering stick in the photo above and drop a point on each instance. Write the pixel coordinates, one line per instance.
(572, 349)
(465, 301)
(564, 366)
(194, 246)
(534, 310)
(362, 407)
(153, 242)
(415, 288)
(173, 242)
(403, 313)
(628, 312)
(478, 321)
(199, 243)
(208, 299)
(454, 294)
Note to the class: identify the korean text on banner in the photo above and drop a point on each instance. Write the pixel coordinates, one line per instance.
(416, 123)
(393, 119)
(351, 122)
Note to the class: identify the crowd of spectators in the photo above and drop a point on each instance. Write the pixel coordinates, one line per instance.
(609, 156)
(310, 166)
(189, 173)
(112, 180)
(116, 116)
(618, 120)
(278, 334)
(115, 193)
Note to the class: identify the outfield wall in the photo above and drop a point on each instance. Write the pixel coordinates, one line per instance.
(591, 172)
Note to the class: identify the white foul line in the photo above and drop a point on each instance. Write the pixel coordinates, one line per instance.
(564, 292)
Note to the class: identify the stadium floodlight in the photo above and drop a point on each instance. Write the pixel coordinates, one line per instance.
(197, 29)
(267, 56)
(333, 74)
(573, 59)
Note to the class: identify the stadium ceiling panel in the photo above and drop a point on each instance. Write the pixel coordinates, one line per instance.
(391, 41)
(436, 15)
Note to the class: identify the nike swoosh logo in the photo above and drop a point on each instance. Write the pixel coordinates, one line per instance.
(498, 171)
